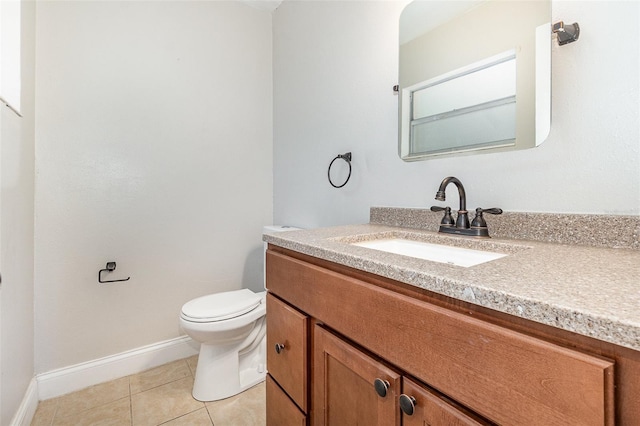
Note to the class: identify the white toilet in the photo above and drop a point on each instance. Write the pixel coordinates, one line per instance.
(231, 328)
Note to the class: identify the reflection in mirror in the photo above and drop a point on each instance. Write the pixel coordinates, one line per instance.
(474, 76)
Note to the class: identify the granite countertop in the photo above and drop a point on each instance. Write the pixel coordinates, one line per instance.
(593, 291)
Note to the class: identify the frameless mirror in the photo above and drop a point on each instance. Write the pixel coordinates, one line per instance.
(475, 76)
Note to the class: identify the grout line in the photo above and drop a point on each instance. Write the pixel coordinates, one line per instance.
(183, 415)
(163, 384)
(53, 415)
(95, 407)
(130, 404)
(209, 414)
(193, 373)
(184, 360)
(55, 412)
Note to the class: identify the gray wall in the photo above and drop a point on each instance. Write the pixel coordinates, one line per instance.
(153, 149)
(16, 229)
(334, 67)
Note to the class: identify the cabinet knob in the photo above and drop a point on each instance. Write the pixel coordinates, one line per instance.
(279, 347)
(407, 404)
(381, 387)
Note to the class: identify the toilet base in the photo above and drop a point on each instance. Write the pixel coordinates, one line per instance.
(223, 372)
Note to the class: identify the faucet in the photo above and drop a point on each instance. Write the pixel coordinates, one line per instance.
(463, 218)
(477, 228)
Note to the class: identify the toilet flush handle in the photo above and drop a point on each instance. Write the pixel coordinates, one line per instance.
(279, 348)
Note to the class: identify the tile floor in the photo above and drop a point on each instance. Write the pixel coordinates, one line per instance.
(160, 396)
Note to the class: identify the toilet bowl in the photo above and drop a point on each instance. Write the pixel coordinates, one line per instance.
(231, 329)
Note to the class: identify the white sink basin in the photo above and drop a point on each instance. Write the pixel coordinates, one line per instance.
(435, 252)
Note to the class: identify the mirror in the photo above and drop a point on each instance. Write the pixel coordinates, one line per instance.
(475, 76)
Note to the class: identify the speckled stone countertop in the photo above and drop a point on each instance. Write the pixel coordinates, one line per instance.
(593, 291)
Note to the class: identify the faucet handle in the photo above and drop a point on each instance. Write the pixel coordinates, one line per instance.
(478, 221)
(446, 219)
(493, 210)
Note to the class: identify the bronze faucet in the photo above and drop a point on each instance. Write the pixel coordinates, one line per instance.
(477, 228)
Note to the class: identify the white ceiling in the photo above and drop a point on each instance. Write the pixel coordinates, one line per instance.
(269, 5)
(420, 17)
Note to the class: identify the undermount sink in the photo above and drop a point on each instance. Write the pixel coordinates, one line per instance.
(434, 252)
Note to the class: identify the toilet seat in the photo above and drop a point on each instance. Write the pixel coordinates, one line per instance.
(221, 306)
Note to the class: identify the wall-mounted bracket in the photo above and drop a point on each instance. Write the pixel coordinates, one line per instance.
(566, 33)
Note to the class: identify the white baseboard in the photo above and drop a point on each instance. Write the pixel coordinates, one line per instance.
(79, 376)
(28, 406)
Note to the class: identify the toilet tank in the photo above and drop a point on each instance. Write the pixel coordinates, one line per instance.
(270, 229)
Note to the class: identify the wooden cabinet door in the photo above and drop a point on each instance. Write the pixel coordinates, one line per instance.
(287, 363)
(426, 407)
(344, 385)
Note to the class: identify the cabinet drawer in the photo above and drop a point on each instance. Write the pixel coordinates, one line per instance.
(280, 410)
(287, 328)
(505, 376)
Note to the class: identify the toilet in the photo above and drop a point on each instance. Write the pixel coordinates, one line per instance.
(231, 329)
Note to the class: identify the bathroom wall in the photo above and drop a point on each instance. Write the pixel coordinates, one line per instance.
(16, 229)
(154, 150)
(335, 64)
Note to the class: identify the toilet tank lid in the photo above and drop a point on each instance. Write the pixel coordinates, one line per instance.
(221, 306)
(279, 228)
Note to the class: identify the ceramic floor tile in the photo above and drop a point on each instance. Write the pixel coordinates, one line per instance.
(45, 412)
(197, 418)
(159, 376)
(164, 403)
(168, 404)
(91, 397)
(245, 409)
(116, 413)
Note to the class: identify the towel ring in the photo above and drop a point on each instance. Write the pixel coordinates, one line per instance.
(346, 157)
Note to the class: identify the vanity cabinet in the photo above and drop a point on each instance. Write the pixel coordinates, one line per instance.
(456, 368)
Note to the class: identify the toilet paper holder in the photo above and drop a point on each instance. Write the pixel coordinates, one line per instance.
(110, 267)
